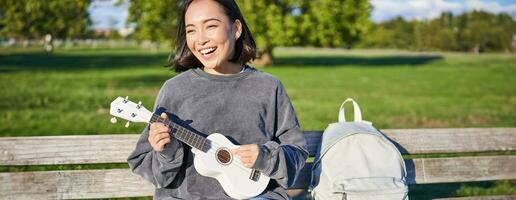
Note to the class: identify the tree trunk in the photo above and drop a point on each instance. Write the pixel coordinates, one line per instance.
(154, 47)
(265, 58)
(476, 49)
(25, 43)
(49, 43)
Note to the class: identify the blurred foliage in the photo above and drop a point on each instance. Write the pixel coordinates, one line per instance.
(319, 23)
(272, 22)
(301, 22)
(33, 19)
(475, 31)
(155, 20)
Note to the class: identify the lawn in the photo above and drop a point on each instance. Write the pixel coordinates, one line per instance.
(68, 92)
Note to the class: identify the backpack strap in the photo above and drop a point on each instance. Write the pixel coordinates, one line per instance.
(356, 110)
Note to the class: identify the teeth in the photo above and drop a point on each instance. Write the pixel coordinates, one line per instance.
(207, 51)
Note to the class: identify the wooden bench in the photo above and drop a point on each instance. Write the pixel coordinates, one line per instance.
(108, 183)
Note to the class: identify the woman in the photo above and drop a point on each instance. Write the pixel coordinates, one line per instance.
(216, 92)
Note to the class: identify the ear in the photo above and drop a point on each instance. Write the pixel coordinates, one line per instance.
(237, 27)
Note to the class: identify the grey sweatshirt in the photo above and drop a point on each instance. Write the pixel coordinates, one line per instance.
(251, 107)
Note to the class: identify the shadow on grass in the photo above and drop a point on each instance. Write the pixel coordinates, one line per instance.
(63, 62)
(373, 61)
(43, 61)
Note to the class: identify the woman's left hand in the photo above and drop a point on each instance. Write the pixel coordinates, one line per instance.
(248, 154)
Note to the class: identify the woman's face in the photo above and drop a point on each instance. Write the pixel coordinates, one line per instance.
(210, 35)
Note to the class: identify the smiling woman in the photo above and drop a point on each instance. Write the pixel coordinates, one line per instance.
(213, 36)
(261, 148)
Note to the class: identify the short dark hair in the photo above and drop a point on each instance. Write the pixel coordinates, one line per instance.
(245, 46)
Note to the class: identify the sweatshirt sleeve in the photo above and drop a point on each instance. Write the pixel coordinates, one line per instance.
(283, 158)
(160, 168)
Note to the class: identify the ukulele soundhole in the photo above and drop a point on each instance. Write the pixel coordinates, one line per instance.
(224, 156)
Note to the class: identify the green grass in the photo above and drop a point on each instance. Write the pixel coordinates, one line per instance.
(455, 90)
(68, 92)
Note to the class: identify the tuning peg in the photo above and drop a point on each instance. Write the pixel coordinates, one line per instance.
(126, 99)
(113, 120)
(127, 125)
(139, 105)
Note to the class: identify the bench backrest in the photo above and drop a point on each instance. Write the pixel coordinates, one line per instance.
(104, 183)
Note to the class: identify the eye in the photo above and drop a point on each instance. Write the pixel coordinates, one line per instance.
(212, 26)
(189, 31)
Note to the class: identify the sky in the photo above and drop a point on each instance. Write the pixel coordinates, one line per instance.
(105, 14)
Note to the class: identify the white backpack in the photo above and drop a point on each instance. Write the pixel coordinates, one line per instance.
(356, 161)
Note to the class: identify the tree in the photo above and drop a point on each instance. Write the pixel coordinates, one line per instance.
(474, 31)
(395, 33)
(482, 31)
(327, 23)
(508, 26)
(156, 20)
(267, 20)
(434, 35)
(35, 19)
(335, 23)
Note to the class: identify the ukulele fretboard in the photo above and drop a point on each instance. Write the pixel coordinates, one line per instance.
(184, 135)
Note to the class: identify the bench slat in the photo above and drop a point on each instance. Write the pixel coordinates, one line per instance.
(453, 140)
(446, 170)
(79, 184)
(81, 149)
(115, 148)
(440, 140)
(74, 184)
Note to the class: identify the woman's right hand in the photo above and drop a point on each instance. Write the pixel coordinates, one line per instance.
(159, 134)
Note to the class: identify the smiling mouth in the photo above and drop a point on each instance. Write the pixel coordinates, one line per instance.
(207, 51)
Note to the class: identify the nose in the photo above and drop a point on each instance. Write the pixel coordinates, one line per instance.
(202, 39)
